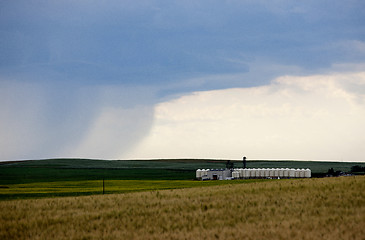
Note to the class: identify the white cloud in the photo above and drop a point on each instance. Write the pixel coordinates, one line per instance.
(314, 117)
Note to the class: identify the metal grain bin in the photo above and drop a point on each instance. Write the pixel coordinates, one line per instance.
(302, 173)
(198, 173)
(253, 173)
(286, 172)
(308, 173)
(276, 172)
(297, 173)
(292, 173)
(258, 172)
(281, 172)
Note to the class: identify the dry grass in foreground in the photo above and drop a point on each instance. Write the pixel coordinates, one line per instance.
(331, 208)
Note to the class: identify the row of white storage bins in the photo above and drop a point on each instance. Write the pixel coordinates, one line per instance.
(263, 172)
(271, 172)
(201, 173)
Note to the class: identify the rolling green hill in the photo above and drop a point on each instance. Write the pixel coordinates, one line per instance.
(174, 169)
(75, 177)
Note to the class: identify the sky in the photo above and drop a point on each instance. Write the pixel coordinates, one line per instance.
(154, 79)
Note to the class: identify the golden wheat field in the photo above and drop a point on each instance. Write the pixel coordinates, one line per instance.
(331, 208)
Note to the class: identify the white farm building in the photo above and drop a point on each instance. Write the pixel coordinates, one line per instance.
(248, 173)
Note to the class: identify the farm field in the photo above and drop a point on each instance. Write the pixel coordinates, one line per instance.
(94, 187)
(182, 164)
(77, 177)
(318, 208)
(174, 169)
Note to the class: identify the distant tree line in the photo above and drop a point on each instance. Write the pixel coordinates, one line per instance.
(354, 169)
(332, 172)
(357, 168)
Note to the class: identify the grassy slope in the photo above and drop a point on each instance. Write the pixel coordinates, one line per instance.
(73, 177)
(182, 164)
(84, 169)
(95, 187)
(329, 208)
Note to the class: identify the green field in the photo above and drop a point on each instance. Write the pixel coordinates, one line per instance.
(95, 187)
(74, 177)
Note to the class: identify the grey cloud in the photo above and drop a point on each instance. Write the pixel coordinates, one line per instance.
(163, 42)
(45, 121)
(68, 66)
